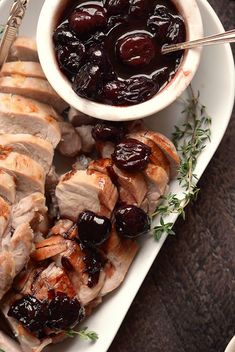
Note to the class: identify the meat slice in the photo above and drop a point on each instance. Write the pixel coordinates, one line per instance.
(105, 149)
(132, 187)
(27, 116)
(167, 148)
(28, 174)
(79, 276)
(157, 157)
(7, 271)
(15, 255)
(88, 143)
(24, 68)
(7, 344)
(5, 212)
(24, 49)
(37, 148)
(78, 191)
(31, 209)
(157, 182)
(39, 282)
(120, 253)
(35, 88)
(7, 187)
(21, 244)
(71, 143)
(77, 118)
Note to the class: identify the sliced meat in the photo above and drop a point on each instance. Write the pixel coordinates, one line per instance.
(101, 165)
(24, 49)
(157, 182)
(120, 253)
(28, 174)
(167, 148)
(77, 118)
(49, 247)
(15, 256)
(21, 245)
(31, 209)
(7, 271)
(27, 116)
(50, 278)
(5, 212)
(7, 187)
(78, 191)
(35, 88)
(71, 143)
(88, 143)
(105, 149)
(23, 68)
(7, 344)
(37, 148)
(132, 187)
(157, 157)
(79, 276)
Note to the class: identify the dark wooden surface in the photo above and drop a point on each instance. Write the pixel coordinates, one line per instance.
(187, 301)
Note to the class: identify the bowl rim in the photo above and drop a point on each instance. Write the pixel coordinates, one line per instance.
(181, 80)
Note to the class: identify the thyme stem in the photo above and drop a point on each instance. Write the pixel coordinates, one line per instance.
(190, 140)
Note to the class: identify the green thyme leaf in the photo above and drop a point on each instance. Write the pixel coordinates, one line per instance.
(190, 140)
(84, 334)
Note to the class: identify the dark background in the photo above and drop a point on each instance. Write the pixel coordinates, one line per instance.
(187, 301)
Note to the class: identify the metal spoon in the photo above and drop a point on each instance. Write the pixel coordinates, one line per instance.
(16, 15)
(226, 37)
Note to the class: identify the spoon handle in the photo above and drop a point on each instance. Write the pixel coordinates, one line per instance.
(16, 15)
(226, 37)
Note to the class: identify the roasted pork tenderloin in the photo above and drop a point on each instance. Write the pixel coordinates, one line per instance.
(24, 49)
(19, 115)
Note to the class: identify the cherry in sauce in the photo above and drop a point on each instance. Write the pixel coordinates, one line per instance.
(131, 221)
(111, 50)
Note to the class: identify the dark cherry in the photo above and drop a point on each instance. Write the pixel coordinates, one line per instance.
(114, 21)
(87, 18)
(96, 55)
(159, 27)
(108, 131)
(131, 155)
(94, 262)
(131, 221)
(176, 31)
(116, 7)
(92, 228)
(88, 80)
(113, 92)
(162, 11)
(136, 49)
(70, 56)
(139, 89)
(63, 312)
(63, 35)
(138, 8)
(30, 312)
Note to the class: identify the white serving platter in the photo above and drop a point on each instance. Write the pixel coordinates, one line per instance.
(215, 81)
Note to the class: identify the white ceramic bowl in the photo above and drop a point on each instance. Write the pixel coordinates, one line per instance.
(47, 23)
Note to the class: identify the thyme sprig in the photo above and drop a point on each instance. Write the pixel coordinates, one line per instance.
(190, 140)
(84, 334)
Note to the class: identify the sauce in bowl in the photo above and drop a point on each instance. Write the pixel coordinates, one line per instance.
(111, 50)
